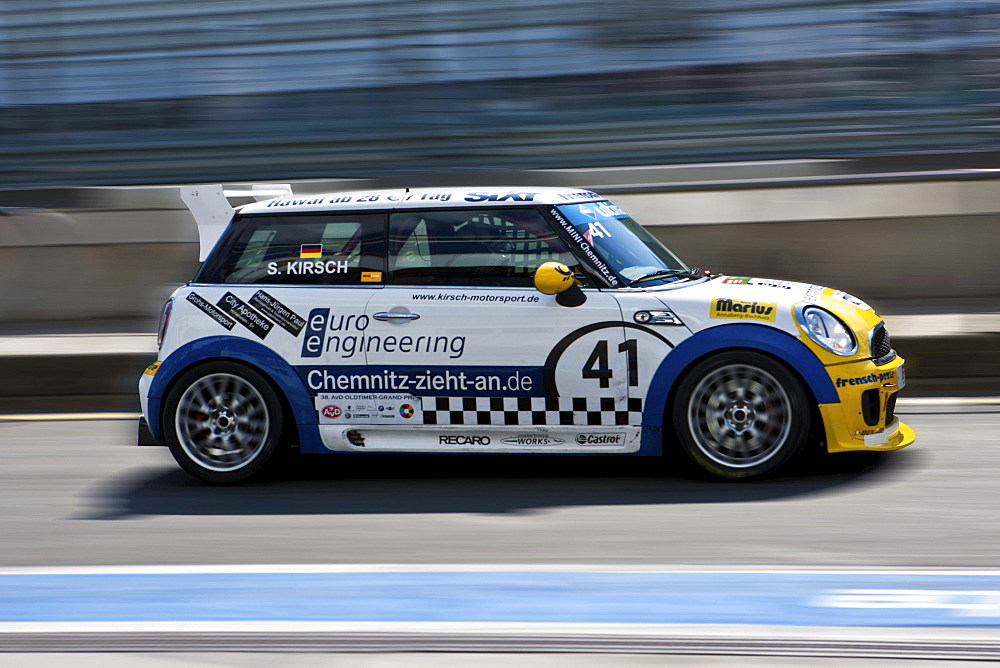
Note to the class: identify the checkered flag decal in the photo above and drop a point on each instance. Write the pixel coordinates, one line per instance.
(582, 411)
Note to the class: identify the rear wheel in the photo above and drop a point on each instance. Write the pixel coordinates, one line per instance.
(223, 422)
(741, 415)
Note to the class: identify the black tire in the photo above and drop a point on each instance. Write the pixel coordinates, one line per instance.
(223, 423)
(740, 414)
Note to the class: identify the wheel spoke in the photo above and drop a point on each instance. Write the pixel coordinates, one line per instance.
(222, 422)
(739, 415)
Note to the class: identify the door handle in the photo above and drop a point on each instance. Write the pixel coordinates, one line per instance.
(384, 315)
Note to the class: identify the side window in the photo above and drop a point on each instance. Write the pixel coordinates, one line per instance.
(478, 247)
(330, 249)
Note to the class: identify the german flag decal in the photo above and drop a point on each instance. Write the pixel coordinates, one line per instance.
(310, 250)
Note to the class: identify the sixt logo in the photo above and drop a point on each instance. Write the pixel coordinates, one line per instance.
(736, 309)
(500, 197)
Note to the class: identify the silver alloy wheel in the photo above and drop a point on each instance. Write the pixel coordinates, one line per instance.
(222, 422)
(739, 415)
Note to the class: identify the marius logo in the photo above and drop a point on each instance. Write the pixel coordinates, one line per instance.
(735, 309)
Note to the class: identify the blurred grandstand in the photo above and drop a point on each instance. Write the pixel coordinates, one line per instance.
(153, 91)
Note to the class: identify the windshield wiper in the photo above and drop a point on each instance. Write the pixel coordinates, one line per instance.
(664, 273)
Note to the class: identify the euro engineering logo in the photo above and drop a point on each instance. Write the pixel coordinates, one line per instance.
(346, 336)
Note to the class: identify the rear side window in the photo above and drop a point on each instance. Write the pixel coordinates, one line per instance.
(500, 248)
(328, 249)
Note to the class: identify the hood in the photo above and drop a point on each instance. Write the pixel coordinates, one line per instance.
(739, 299)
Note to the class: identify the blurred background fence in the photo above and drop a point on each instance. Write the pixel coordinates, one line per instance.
(155, 91)
(852, 143)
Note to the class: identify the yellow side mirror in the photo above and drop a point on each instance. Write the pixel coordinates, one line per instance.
(551, 278)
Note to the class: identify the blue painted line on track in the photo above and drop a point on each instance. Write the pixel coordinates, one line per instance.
(789, 598)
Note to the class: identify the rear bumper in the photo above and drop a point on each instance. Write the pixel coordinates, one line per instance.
(145, 436)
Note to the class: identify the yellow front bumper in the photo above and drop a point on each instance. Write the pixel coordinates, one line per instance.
(844, 422)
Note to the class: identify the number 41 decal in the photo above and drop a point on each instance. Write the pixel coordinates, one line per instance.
(596, 365)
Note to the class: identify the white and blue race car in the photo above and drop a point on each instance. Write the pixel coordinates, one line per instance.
(535, 320)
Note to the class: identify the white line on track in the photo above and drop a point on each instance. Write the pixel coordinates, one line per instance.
(749, 631)
(948, 401)
(196, 569)
(54, 417)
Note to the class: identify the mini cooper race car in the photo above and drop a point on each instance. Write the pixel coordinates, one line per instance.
(542, 321)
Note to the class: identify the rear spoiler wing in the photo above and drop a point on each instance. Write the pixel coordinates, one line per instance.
(210, 207)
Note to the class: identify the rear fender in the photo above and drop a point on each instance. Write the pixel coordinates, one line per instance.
(253, 354)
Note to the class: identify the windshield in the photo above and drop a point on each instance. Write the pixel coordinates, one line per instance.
(629, 250)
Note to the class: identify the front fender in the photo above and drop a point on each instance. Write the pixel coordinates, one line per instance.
(775, 342)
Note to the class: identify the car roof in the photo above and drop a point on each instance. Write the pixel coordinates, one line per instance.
(420, 198)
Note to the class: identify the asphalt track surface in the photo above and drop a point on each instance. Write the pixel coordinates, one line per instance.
(77, 493)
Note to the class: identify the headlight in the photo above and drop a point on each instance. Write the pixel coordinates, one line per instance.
(828, 330)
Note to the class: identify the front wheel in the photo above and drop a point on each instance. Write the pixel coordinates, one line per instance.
(223, 422)
(740, 415)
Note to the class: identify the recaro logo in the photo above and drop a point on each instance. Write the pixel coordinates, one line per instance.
(461, 439)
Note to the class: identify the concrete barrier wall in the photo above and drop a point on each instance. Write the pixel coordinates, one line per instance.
(925, 239)
(99, 253)
(881, 258)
